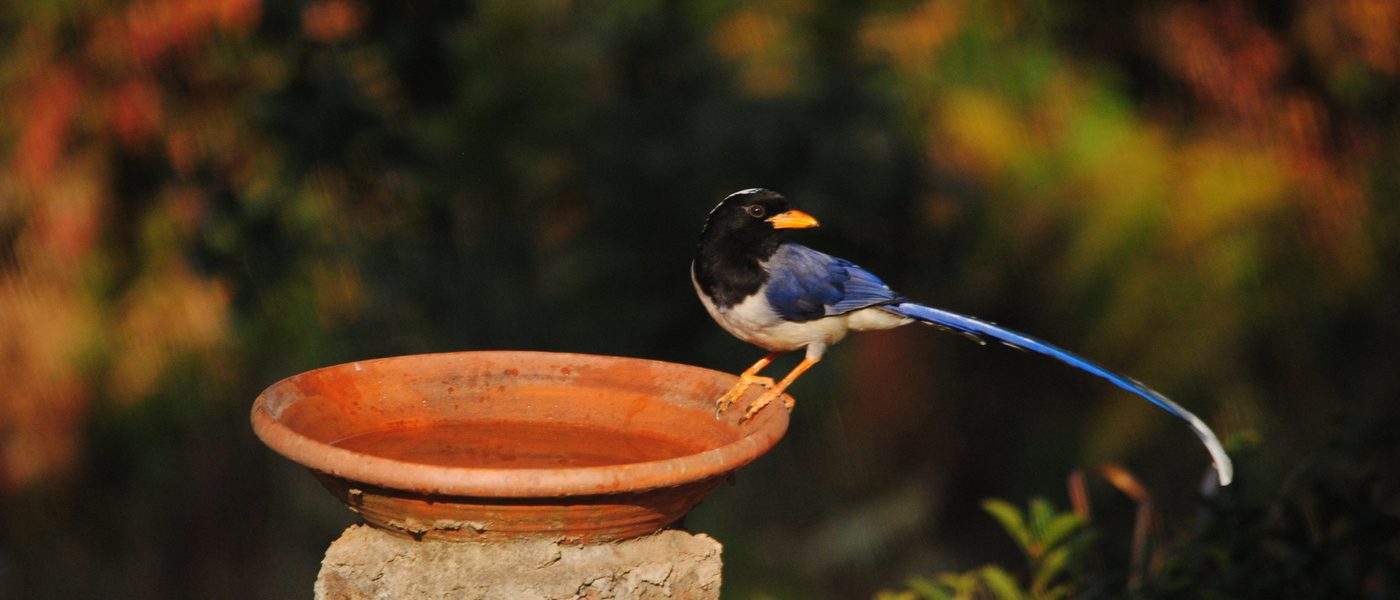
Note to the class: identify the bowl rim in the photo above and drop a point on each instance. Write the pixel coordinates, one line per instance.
(759, 435)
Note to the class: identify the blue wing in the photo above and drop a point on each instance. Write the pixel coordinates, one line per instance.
(805, 284)
(969, 325)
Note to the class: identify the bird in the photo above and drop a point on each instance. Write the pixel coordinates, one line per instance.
(782, 296)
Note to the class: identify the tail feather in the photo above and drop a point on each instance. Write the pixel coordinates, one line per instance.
(974, 327)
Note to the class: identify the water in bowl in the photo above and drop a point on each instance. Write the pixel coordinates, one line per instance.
(515, 445)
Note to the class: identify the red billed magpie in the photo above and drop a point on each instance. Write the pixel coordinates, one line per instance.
(783, 296)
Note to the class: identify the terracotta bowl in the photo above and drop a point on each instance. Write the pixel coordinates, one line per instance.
(486, 446)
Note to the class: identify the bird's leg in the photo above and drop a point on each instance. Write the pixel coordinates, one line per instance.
(747, 378)
(777, 390)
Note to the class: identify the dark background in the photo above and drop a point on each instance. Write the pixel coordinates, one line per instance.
(200, 197)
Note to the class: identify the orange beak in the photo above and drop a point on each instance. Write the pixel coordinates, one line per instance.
(793, 219)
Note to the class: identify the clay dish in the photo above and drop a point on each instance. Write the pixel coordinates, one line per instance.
(484, 446)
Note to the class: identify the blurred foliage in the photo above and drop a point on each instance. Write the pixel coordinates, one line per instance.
(1052, 542)
(1329, 532)
(199, 197)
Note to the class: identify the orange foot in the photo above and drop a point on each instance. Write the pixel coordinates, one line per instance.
(737, 392)
(777, 390)
(767, 398)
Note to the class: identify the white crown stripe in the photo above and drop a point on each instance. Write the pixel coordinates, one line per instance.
(738, 193)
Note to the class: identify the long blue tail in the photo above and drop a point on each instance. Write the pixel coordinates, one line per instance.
(968, 325)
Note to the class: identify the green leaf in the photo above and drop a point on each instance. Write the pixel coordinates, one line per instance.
(1051, 567)
(928, 589)
(964, 584)
(1059, 528)
(1001, 584)
(1040, 513)
(1010, 518)
(1056, 593)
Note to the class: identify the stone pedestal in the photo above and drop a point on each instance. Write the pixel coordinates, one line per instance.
(366, 563)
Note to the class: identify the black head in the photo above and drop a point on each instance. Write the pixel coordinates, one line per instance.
(739, 235)
(753, 216)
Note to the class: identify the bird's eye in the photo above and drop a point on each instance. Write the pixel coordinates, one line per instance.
(756, 211)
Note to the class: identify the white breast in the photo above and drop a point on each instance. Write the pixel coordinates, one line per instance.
(753, 321)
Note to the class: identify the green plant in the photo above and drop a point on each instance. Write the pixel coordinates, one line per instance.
(1053, 543)
(1330, 530)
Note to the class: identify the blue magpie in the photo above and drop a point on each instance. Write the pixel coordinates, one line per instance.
(783, 296)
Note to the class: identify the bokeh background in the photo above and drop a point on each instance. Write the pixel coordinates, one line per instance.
(200, 197)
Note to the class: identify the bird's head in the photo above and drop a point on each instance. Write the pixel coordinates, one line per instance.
(754, 216)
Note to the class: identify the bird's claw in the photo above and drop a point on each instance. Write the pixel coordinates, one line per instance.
(736, 392)
(767, 398)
